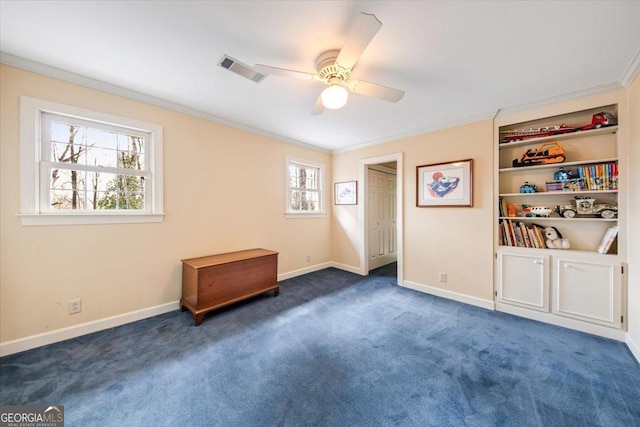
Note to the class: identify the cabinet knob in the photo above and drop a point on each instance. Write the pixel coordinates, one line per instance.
(538, 261)
(567, 266)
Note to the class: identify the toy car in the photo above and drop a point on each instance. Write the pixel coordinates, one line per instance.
(587, 206)
(537, 211)
(547, 153)
(528, 188)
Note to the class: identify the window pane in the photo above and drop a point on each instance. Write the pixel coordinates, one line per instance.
(78, 190)
(102, 157)
(68, 152)
(293, 176)
(133, 146)
(312, 201)
(59, 132)
(130, 160)
(68, 199)
(122, 192)
(311, 178)
(304, 201)
(100, 138)
(304, 188)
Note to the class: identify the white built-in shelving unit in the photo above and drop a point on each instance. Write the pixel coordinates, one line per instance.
(579, 287)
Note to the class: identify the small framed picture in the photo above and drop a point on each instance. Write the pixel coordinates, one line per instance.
(445, 184)
(346, 193)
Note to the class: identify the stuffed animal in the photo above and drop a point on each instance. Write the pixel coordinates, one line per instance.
(555, 240)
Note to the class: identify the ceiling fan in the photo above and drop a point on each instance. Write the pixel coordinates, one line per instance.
(334, 69)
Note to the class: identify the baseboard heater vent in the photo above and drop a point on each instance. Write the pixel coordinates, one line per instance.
(241, 69)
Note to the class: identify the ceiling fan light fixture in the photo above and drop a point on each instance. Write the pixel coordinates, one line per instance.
(334, 97)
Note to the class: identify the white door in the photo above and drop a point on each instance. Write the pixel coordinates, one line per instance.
(382, 218)
(523, 280)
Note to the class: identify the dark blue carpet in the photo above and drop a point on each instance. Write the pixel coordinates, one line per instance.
(334, 349)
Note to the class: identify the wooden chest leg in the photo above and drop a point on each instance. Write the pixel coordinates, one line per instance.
(276, 292)
(197, 318)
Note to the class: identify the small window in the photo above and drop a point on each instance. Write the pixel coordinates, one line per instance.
(304, 188)
(80, 166)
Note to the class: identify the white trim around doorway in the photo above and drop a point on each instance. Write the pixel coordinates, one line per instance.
(364, 240)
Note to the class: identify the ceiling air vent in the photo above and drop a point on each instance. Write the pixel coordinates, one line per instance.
(241, 69)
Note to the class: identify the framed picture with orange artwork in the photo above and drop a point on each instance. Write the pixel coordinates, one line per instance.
(445, 184)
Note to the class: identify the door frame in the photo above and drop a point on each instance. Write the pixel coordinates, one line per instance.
(364, 223)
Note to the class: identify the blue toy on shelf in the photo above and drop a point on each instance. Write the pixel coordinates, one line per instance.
(528, 188)
(562, 175)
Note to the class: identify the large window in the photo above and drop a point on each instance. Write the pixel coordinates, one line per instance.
(80, 166)
(304, 188)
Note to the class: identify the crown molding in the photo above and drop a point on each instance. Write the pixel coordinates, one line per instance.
(14, 61)
(607, 87)
(67, 76)
(416, 132)
(632, 71)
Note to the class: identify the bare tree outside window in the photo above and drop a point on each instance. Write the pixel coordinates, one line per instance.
(304, 188)
(91, 165)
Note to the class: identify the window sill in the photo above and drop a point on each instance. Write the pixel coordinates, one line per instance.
(83, 218)
(304, 215)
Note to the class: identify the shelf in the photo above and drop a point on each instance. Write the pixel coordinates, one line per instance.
(557, 193)
(557, 165)
(556, 251)
(562, 137)
(556, 218)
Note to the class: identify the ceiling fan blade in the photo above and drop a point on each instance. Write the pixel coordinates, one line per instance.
(375, 90)
(283, 72)
(318, 108)
(362, 31)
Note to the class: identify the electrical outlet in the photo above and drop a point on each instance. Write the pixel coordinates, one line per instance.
(443, 277)
(308, 258)
(75, 306)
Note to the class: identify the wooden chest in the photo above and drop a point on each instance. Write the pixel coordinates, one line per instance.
(214, 281)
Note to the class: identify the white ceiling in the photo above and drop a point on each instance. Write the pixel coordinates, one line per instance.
(457, 61)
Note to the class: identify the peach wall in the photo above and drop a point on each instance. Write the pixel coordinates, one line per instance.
(633, 337)
(457, 241)
(224, 190)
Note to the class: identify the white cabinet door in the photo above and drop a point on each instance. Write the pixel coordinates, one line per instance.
(523, 280)
(588, 291)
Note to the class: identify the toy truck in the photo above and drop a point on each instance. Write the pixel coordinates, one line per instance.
(522, 134)
(547, 153)
(600, 120)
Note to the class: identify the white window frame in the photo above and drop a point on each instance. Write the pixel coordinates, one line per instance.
(297, 214)
(33, 182)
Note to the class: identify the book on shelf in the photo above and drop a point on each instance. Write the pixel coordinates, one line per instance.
(599, 176)
(525, 235)
(608, 239)
(540, 235)
(521, 235)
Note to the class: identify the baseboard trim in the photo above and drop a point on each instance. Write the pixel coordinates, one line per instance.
(39, 340)
(633, 346)
(349, 268)
(301, 271)
(565, 322)
(466, 299)
(34, 341)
